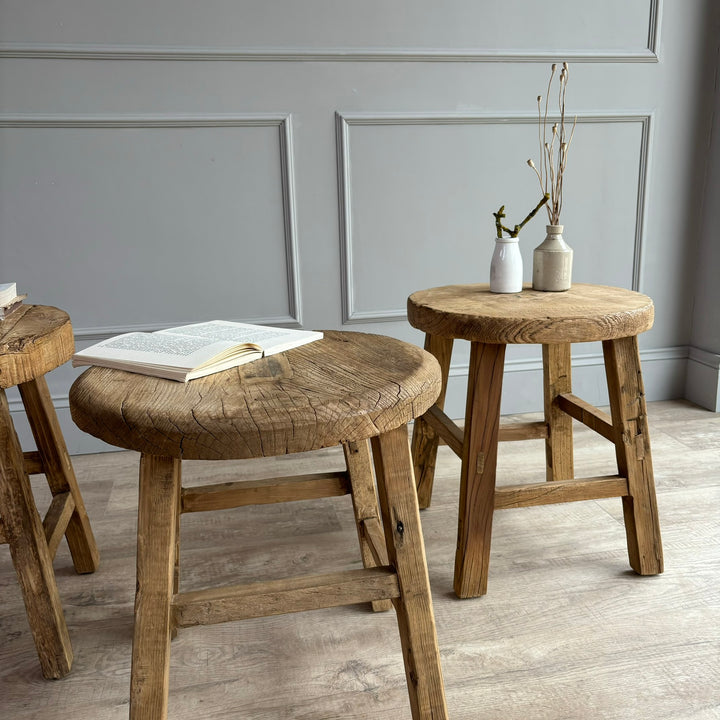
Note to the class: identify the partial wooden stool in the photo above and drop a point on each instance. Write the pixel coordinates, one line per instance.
(33, 341)
(490, 321)
(344, 389)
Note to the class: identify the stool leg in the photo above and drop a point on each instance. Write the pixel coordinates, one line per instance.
(176, 568)
(634, 459)
(424, 438)
(406, 552)
(30, 555)
(156, 549)
(365, 507)
(557, 379)
(479, 463)
(59, 471)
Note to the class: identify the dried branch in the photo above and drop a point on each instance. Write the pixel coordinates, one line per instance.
(553, 150)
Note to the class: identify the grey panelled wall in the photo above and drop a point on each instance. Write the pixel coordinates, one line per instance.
(703, 376)
(166, 161)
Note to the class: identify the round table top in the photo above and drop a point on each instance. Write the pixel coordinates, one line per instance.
(346, 387)
(585, 313)
(34, 340)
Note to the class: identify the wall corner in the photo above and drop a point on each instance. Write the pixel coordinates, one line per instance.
(702, 381)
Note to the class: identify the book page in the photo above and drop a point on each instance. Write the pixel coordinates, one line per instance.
(222, 330)
(201, 348)
(270, 340)
(8, 291)
(179, 345)
(181, 351)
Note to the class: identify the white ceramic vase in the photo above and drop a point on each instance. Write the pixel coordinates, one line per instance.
(506, 266)
(552, 262)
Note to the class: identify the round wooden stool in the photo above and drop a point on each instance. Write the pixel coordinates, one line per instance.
(344, 389)
(490, 321)
(33, 341)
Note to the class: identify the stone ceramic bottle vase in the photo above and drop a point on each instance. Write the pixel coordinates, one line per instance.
(506, 266)
(552, 262)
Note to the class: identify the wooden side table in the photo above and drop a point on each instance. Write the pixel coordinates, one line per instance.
(490, 321)
(344, 389)
(33, 341)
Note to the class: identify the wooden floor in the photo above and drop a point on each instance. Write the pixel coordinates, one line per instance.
(566, 630)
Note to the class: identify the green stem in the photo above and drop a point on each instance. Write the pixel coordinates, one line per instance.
(532, 214)
(500, 214)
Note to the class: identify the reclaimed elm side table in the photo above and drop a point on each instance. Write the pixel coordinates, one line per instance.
(345, 389)
(490, 321)
(34, 340)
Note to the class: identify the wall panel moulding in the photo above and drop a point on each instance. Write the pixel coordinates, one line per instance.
(281, 137)
(595, 36)
(351, 192)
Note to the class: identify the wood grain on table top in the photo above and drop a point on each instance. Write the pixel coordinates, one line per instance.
(348, 386)
(585, 313)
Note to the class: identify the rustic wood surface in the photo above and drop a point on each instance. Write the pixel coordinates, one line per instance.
(30, 554)
(406, 552)
(280, 597)
(634, 459)
(345, 389)
(225, 495)
(491, 321)
(477, 475)
(374, 386)
(566, 631)
(582, 314)
(33, 341)
(367, 511)
(425, 437)
(58, 470)
(158, 509)
(557, 379)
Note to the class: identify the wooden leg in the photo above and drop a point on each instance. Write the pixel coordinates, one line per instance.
(406, 552)
(176, 569)
(158, 506)
(557, 379)
(634, 459)
(365, 506)
(59, 471)
(479, 462)
(23, 531)
(424, 438)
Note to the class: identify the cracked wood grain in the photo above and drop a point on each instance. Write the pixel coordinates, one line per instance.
(33, 341)
(490, 321)
(345, 387)
(582, 314)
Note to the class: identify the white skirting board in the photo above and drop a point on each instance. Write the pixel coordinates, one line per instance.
(664, 374)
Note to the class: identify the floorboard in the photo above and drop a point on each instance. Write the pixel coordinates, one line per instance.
(566, 630)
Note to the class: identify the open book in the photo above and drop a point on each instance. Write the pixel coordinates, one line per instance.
(192, 351)
(8, 291)
(10, 301)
